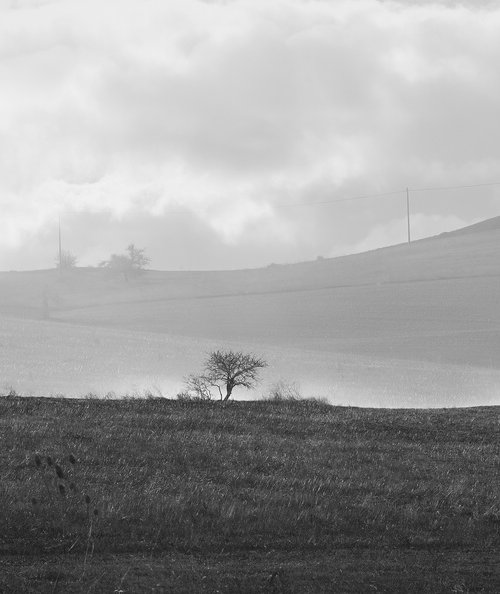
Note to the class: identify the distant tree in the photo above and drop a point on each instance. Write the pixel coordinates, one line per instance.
(139, 261)
(118, 263)
(132, 263)
(66, 260)
(228, 370)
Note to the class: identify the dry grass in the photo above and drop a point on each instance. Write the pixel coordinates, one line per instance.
(397, 498)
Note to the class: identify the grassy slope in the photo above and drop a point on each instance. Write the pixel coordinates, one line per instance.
(437, 301)
(254, 497)
(454, 321)
(470, 254)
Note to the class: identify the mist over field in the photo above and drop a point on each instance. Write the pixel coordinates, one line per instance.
(412, 325)
(248, 148)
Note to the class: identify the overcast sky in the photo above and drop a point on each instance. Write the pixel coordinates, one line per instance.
(206, 131)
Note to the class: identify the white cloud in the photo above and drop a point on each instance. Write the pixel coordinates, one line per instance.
(227, 109)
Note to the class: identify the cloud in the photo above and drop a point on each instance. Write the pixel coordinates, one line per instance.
(228, 110)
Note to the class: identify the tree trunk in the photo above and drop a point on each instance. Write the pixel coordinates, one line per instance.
(229, 389)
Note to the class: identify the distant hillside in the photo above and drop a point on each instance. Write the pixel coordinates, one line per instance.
(468, 252)
(480, 227)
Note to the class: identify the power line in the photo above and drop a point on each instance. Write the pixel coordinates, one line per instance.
(334, 201)
(405, 192)
(454, 187)
(383, 194)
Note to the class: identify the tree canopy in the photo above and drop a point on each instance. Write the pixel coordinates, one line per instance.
(231, 369)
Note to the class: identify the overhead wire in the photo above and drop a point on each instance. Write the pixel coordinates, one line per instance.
(383, 194)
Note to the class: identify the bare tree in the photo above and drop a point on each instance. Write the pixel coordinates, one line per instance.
(198, 386)
(230, 369)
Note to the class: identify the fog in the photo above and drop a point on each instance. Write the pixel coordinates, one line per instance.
(248, 151)
(414, 325)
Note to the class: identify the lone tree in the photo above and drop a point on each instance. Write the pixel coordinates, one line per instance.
(230, 369)
(133, 262)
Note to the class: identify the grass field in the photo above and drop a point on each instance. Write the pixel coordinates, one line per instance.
(166, 496)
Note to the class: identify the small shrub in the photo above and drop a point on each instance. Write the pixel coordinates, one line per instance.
(186, 396)
(284, 391)
(197, 388)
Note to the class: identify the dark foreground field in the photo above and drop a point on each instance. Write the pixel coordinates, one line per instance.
(166, 496)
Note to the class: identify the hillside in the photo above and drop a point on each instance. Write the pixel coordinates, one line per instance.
(466, 253)
(422, 319)
(480, 227)
(269, 497)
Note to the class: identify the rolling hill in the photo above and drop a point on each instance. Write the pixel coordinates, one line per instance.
(403, 325)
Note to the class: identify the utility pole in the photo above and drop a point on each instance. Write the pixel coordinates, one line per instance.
(408, 214)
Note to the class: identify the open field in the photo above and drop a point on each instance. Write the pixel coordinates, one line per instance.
(253, 497)
(401, 326)
(49, 358)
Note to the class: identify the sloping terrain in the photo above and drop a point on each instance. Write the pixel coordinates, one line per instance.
(482, 226)
(436, 300)
(467, 253)
(434, 303)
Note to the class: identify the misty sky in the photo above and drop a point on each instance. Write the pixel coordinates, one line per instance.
(206, 131)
